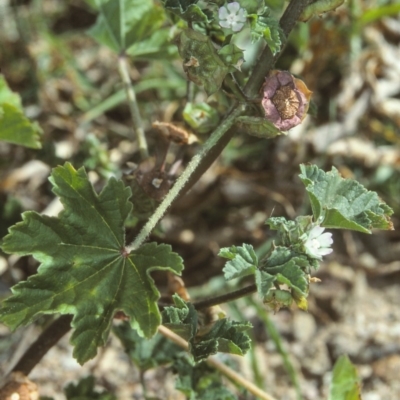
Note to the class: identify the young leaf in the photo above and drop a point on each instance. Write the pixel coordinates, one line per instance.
(284, 267)
(85, 269)
(200, 382)
(319, 7)
(7, 95)
(201, 62)
(122, 23)
(181, 319)
(146, 353)
(14, 126)
(266, 27)
(232, 56)
(243, 261)
(224, 336)
(200, 116)
(186, 9)
(345, 383)
(158, 46)
(84, 390)
(343, 203)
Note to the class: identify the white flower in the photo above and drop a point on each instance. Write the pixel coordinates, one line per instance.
(232, 16)
(317, 244)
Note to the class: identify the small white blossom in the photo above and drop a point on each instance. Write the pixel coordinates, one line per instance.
(317, 244)
(232, 16)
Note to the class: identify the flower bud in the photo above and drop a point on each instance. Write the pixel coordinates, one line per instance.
(286, 100)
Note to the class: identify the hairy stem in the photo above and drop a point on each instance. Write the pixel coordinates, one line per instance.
(224, 298)
(219, 366)
(133, 106)
(184, 177)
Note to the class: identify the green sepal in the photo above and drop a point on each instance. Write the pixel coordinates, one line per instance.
(257, 126)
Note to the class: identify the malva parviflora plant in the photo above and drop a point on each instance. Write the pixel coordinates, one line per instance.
(90, 275)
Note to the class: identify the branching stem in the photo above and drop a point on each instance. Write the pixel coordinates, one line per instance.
(184, 177)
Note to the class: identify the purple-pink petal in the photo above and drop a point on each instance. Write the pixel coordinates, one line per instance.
(284, 78)
(286, 124)
(271, 86)
(271, 112)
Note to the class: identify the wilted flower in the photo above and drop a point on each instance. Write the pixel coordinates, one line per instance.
(232, 16)
(286, 100)
(317, 244)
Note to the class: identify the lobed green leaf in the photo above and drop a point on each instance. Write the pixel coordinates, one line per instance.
(267, 28)
(200, 382)
(223, 336)
(319, 7)
(14, 126)
(343, 203)
(243, 261)
(201, 61)
(345, 382)
(122, 23)
(85, 270)
(85, 390)
(146, 353)
(188, 10)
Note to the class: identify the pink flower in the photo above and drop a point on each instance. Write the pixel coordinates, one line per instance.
(286, 100)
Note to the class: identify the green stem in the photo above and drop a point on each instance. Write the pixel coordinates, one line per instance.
(133, 106)
(184, 177)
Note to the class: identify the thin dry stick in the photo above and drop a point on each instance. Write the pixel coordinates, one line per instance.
(213, 362)
(133, 106)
